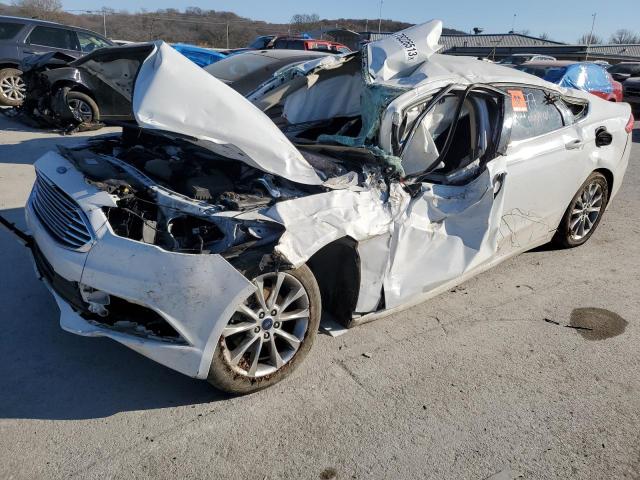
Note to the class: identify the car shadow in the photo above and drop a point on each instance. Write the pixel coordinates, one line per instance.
(47, 373)
(635, 136)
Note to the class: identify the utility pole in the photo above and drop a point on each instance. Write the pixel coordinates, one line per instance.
(380, 18)
(104, 21)
(513, 23)
(590, 39)
(227, 35)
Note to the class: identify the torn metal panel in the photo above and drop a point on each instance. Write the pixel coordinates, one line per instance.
(374, 256)
(240, 131)
(314, 221)
(445, 232)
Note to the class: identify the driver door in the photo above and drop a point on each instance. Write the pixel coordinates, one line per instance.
(451, 224)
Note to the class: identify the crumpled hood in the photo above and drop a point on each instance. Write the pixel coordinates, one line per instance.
(174, 95)
(399, 54)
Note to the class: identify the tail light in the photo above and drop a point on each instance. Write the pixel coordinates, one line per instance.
(629, 126)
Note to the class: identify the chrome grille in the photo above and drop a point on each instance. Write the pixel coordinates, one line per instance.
(60, 214)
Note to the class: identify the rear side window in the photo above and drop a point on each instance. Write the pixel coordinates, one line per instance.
(295, 45)
(54, 38)
(89, 43)
(534, 113)
(9, 30)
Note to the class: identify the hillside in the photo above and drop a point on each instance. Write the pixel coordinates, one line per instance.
(194, 25)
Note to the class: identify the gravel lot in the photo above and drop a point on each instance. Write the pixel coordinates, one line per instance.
(485, 381)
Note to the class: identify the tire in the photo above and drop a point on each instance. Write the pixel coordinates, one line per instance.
(593, 194)
(12, 88)
(85, 106)
(234, 368)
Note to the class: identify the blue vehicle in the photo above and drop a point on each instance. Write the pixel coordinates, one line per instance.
(587, 76)
(200, 56)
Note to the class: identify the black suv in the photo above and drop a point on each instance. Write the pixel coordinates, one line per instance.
(21, 37)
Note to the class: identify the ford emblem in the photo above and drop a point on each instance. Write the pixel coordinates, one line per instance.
(61, 170)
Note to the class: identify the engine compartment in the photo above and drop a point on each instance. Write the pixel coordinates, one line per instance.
(180, 196)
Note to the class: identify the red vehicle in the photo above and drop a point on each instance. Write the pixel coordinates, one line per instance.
(297, 43)
(586, 76)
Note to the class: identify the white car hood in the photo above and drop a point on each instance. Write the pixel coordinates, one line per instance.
(173, 94)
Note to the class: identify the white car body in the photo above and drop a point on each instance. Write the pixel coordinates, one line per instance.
(410, 244)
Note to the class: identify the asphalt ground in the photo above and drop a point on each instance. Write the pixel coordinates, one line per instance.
(490, 380)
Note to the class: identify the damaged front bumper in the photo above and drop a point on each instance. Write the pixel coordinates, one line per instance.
(105, 287)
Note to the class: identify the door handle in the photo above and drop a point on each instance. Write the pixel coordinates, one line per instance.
(498, 183)
(574, 144)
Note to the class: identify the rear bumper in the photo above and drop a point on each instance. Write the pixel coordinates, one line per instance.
(195, 295)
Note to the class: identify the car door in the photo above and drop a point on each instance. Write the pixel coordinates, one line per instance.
(545, 161)
(44, 39)
(450, 225)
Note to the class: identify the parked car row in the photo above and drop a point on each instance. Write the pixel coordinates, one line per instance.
(585, 76)
(297, 43)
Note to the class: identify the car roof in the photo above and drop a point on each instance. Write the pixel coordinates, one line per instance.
(35, 21)
(284, 53)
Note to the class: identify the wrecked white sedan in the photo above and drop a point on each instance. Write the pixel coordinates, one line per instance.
(211, 237)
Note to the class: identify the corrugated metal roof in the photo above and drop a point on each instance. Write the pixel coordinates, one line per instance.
(493, 40)
(630, 49)
(508, 43)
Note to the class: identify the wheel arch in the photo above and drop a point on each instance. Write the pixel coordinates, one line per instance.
(73, 87)
(336, 268)
(608, 175)
(6, 64)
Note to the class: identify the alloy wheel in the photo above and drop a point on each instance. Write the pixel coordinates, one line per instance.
(268, 328)
(13, 87)
(81, 109)
(586, 211)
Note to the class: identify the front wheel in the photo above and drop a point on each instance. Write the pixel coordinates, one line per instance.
(269, 334)
(12, 87)
(83, 107)
(583, 213)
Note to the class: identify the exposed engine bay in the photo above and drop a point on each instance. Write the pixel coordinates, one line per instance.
(185, 198)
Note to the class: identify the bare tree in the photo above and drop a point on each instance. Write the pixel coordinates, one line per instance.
(625, 36)
(46, 9)
(589, 39)
(544, 36)
(304, 21)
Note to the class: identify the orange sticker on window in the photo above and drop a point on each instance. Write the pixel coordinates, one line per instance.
(518, 102)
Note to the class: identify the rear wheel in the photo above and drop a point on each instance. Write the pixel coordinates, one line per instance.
(12, 87)
(83, 107)
(583, 214)
(270, 333)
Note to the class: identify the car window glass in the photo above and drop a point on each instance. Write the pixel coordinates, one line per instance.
(534, 113)
(54, 37)
(89, 43)
(9, 30)
(280, 44)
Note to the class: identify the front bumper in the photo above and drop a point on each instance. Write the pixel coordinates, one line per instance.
(195, 294)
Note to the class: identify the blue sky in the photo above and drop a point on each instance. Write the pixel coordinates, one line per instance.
(563, 20)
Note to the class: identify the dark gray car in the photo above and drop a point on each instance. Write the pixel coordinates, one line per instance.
(21, 37)
(245, 71)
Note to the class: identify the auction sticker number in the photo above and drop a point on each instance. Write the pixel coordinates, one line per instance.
(518, 102)
(408, 44)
